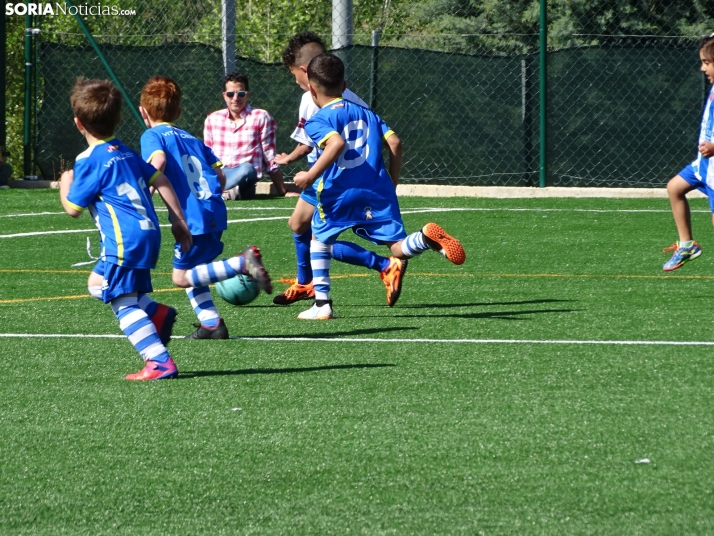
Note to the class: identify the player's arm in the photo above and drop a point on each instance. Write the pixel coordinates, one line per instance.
(158, 160)
(394, 146)
(333, 148)
(178, 223)
(299, 152)
(221, 178)
(66, 180)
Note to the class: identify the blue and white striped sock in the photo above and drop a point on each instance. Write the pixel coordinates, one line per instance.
(213, 272)
(320, 261)
(140, 331)
(414, 244)
(148, 305)
(203, 306)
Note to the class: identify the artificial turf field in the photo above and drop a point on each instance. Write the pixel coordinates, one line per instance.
(497, 397)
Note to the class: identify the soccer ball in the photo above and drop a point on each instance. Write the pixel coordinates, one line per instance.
(239, 290)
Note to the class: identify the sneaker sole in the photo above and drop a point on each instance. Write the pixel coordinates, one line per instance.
(256, 270)
(451, 248)
(169, 376)
(318, 318)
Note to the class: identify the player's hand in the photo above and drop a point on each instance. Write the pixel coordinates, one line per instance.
(181, 234)
(706, 149)
(282, 159)
(302, 180)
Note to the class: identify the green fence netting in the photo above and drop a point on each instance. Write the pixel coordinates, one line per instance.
(618, 115)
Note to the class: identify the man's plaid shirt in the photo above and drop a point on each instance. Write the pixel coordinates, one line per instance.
(250, 139)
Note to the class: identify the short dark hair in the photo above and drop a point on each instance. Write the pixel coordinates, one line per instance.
(236, 77)
(97, 105)
(299, 53)
(706, 45)
(328, 72)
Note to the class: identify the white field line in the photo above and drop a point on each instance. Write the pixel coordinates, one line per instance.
(381, 341)
(410, 211)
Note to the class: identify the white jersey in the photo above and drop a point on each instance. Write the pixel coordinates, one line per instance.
(701, 166)
(307, 109)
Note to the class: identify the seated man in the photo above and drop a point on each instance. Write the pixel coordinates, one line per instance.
(243, 138)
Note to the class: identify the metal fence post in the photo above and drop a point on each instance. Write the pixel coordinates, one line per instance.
(374, 67)
(543, 73)
(342, 30)
(228, 29)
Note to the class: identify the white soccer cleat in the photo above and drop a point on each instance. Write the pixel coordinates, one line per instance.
(318, 313)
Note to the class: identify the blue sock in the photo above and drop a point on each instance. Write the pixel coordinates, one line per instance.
(203, 306)
(140, 331)
(353, 254)
(320, 259)
(213, 272)
(147, 304)
(302, 251)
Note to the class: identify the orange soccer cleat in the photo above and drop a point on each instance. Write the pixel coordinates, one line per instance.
(392, 276)
(444, 243)
(295, 292)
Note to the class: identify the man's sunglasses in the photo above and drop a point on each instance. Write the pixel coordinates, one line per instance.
(231, 94)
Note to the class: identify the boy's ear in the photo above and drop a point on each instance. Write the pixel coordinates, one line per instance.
(78, 124)
(303, 68)
(312, 90)
(144, 116)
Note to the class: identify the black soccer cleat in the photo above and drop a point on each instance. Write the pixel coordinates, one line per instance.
(203, 332)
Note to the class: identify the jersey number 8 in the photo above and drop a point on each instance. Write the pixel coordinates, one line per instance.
(194, 173)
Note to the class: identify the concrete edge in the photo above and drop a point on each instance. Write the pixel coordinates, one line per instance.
(432, 190)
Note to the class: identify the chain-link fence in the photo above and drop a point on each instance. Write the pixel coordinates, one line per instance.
(457, 80)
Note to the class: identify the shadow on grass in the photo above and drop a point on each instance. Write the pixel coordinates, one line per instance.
(502, 315)
(332, 334)
(199, 373)
(483, 304)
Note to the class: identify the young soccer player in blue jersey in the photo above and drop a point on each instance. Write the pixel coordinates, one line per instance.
(354, 188)
(296, 56)
(112, 181)
(699, 175)
(196, 176)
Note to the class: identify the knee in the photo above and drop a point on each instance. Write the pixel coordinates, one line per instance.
(180, 280)
(677, 187)
(296, 226)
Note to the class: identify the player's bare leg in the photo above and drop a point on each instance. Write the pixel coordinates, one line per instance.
(677, 190)
(686, 248)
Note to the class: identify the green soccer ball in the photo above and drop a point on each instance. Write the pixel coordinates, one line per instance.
(239, 290)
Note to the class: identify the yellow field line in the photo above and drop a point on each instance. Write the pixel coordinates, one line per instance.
(348, 276)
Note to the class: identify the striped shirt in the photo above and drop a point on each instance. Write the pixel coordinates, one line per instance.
(250, 139)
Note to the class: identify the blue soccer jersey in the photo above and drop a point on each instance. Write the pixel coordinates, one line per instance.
(356, 189)
(112, 181)
(700, 166)
(190, 166)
